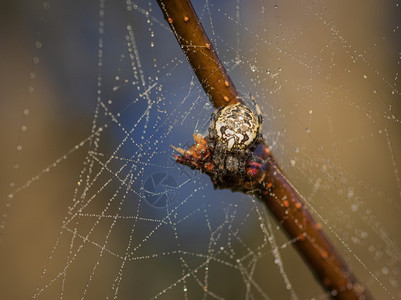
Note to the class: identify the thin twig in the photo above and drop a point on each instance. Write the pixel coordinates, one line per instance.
(263, 176)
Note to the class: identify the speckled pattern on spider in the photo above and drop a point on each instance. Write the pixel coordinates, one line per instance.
(233, 131)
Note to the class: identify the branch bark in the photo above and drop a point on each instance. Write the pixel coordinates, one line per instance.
(263, 176)
(200, 52)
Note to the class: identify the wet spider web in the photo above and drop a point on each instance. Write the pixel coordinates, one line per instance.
(96, 92)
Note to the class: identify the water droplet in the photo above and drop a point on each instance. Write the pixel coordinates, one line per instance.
(394, 282)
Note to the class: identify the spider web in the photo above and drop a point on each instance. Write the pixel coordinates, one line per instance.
(96, 92)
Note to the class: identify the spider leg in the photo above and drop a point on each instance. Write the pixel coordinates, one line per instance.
(258, 111)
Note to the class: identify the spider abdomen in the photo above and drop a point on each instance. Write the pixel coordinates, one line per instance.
(236, 126)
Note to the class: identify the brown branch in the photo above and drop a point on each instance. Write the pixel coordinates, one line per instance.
(263, 177)
(200, 52)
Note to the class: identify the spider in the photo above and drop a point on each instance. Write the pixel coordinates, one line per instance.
(234, 131)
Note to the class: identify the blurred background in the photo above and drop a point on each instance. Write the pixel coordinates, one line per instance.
(93, 93)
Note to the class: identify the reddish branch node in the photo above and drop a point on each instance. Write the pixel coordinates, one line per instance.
(200, 156)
